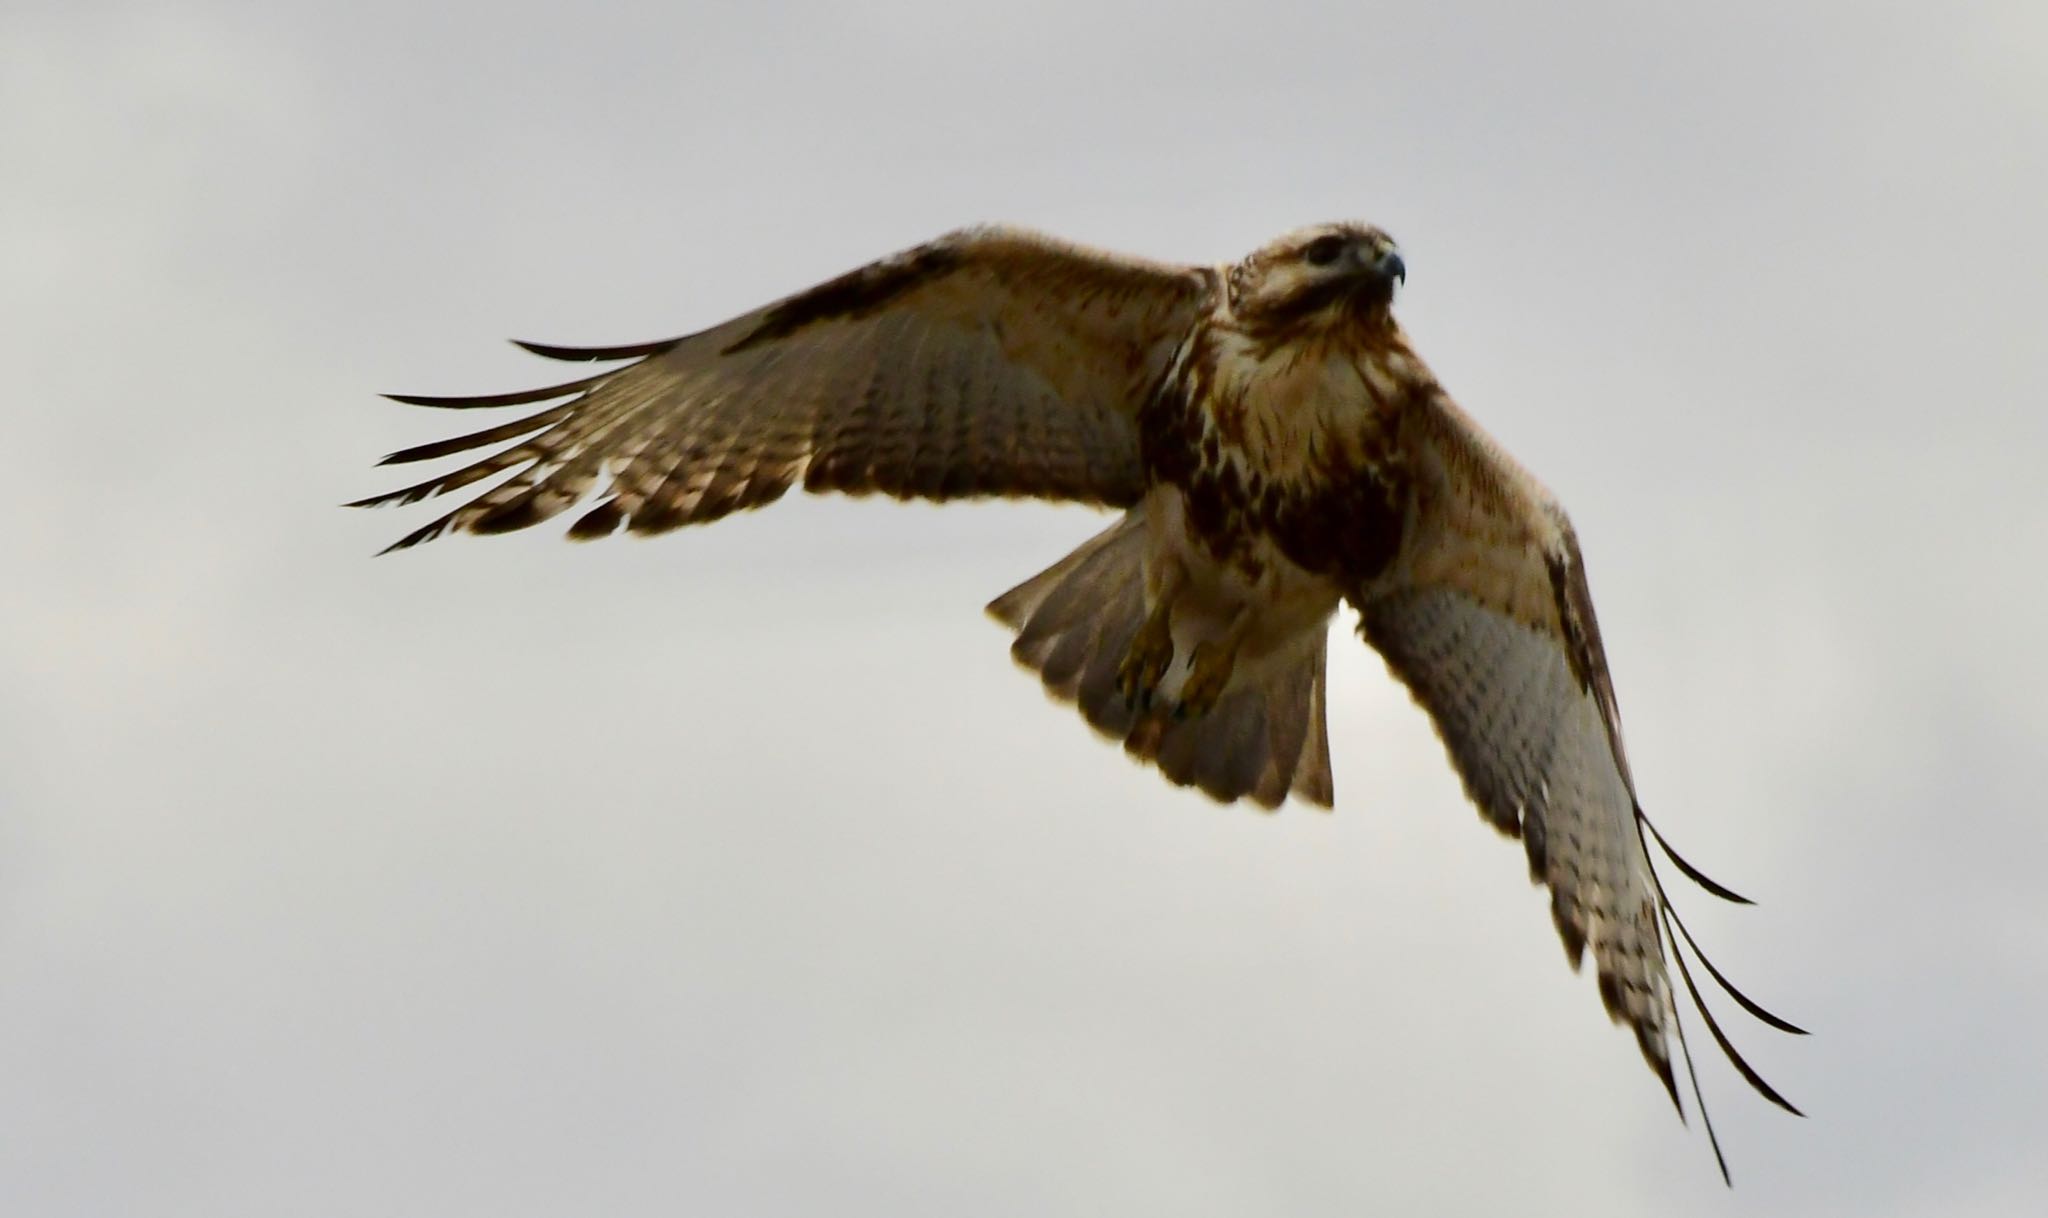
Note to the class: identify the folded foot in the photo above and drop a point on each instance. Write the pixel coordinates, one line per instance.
(1150, 655)
(1209, 670)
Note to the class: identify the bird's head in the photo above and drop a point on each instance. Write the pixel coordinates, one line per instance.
(1327, 275)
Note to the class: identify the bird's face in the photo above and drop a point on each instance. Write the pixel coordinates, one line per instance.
(1325, 275)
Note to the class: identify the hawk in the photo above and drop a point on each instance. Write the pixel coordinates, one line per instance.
(1275, 447)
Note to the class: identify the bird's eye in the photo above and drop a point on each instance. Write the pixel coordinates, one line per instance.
(1323, 250)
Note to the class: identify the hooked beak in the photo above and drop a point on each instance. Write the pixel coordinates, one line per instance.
(1390, 268)
(1372, 286)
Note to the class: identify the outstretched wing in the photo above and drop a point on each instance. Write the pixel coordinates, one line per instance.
(1486, 617)
(988, 362)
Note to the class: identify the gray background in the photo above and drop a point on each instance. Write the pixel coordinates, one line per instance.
(739, 872)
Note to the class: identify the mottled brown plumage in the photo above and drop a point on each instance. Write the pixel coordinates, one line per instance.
(940, 373)
(1276, 448)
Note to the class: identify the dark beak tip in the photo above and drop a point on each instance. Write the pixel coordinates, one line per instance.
(1393, 268)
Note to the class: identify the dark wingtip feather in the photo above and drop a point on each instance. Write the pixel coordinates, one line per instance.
(1742, 1066)
(509, 517)
(1687, 869)
(600, 521)
(1692, 1075)
(524, 397)
(478, 439)
(435, 486)
(403, 495)
(589, 354)
(426, 532)
(1743, 1000)
(1673, 930)
(1660, 1062)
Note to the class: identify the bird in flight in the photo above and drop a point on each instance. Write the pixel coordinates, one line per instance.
(1275, 448)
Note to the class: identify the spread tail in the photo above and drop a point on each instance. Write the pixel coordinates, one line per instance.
(1264, 737)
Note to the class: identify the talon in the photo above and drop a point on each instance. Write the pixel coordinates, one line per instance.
(1209, 669)
(1150, 655)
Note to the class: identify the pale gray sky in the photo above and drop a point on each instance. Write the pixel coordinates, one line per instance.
(740, 872)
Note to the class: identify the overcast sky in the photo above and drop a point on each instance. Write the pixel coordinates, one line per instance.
(740, 872)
